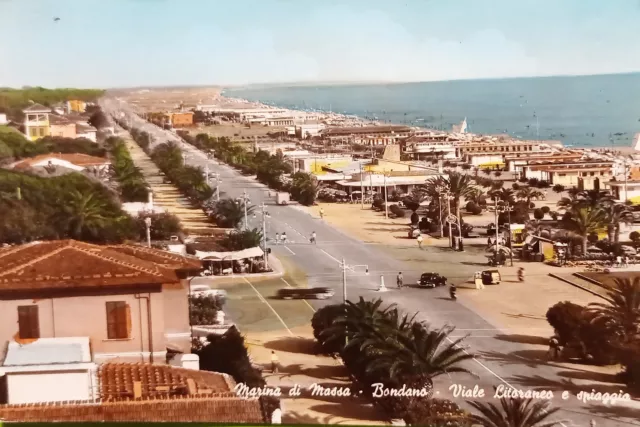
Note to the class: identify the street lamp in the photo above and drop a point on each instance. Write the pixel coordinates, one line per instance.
(443, 192)
(245, 198)
(147, 223)
(346, 267)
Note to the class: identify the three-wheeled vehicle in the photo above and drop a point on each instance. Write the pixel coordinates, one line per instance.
(491, 277)
(432, 280)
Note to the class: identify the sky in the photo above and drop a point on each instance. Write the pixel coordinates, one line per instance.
(129, 43)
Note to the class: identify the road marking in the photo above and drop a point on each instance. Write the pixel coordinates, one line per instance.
(331, 256)
(292, 253)
(269, 305)
(307, 302)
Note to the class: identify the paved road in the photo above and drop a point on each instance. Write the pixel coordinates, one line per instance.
(501, 358)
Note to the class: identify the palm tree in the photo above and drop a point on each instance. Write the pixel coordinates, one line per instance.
(558, 188)
(83, 213)
(528, 193)
(242, 239)
(459, 185)
(421, 354)
(588, 198)
(617, 213)
(505, 195)
(621, 315)
(476, 195)
(229, 213)
(584, 221)
(514, 413)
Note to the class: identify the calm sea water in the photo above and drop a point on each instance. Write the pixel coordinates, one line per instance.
(585, 111)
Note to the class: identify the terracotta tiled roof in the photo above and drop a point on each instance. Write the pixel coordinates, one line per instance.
(55, 119)
(176, 409)
(65, 264)
(74, 158)
(37, 108)
(117, 381)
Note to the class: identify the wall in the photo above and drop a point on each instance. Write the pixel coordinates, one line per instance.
(65, 131)
(182, 119)
(48, 386)
(176, 321)
(570, 179)
(486, 160)
(87, 317)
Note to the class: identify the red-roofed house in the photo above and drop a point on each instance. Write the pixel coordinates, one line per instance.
(72, 161)
(130, 302)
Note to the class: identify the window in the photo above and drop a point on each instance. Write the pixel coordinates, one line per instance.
(33, 131)
(28, 322)
(118, 320)
(41, 130)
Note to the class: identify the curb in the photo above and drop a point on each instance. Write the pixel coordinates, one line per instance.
(577, 286)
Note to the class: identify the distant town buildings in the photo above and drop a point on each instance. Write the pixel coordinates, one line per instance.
(36, 121)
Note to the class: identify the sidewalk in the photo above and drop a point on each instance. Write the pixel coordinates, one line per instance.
(299, 365)
(168, 196)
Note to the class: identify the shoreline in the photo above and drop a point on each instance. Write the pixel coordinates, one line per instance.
(634, 138)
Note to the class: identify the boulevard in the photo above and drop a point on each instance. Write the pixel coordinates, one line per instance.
(498, 361)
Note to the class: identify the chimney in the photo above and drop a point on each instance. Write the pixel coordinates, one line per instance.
(137, 389)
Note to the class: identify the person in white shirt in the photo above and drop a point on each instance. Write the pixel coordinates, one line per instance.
(284, 238)
(419, 240)
(277, 238)
(313, 237)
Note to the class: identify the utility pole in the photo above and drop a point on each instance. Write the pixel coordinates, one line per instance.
(386, 205)
(626, 178)
(265, 214)
(244, 204)
(344, 267)
(496, 205)
(361, 187)
(147, 222)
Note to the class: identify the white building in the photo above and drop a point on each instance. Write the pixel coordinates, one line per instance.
(86, 131)
(49, 370)
(3, 119)
(308, 130)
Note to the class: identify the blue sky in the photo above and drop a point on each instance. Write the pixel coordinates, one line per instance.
(116, 43)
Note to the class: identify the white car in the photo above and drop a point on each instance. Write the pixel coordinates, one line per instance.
(204, 290)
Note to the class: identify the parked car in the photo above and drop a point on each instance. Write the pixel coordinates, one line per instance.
(432, 280)
(305, 293)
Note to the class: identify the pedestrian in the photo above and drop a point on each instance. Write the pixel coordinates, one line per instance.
(399, 280)
(274, 362)
(284, 238)
(313, 238)
(553, 348)
(489, 242)
(321, 213)
(618, 261)
(419, 240)
(625, 261)
(277, 238)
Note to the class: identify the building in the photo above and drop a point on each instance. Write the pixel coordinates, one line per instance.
(370, 135)
(492, 155)
(61, 127)
(3, 119)
(516, 162)
(279, 121)
(318, 163)
(128, 392)
(625, 190)
(76, 106)
(86, 131)
(441, 146)
(181, 119)
(36, 121)
(308, 130)
(71, 161)
(584, 175)
(130, 302)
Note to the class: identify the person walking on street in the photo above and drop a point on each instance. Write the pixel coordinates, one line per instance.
(399, 280)
(313, 238)
(419, 240)
(321, 213)
(284, 238)
(521, 274)
(274, 362)
(277, 238)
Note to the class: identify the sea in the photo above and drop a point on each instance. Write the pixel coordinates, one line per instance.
(579, 111)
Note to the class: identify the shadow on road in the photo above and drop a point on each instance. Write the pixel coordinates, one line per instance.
(523, 339)
(298, 345)
(358, 412)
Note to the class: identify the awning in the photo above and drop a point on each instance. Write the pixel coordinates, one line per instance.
(230, 256)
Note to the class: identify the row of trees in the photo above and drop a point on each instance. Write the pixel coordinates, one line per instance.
(269, 169)
(132, 185)
(381, 345)
(190, 180)
(603, 333)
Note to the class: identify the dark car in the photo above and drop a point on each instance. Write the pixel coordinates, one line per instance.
(305, 293)
(432, 280)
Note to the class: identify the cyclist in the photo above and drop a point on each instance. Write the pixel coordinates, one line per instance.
(313, 237)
